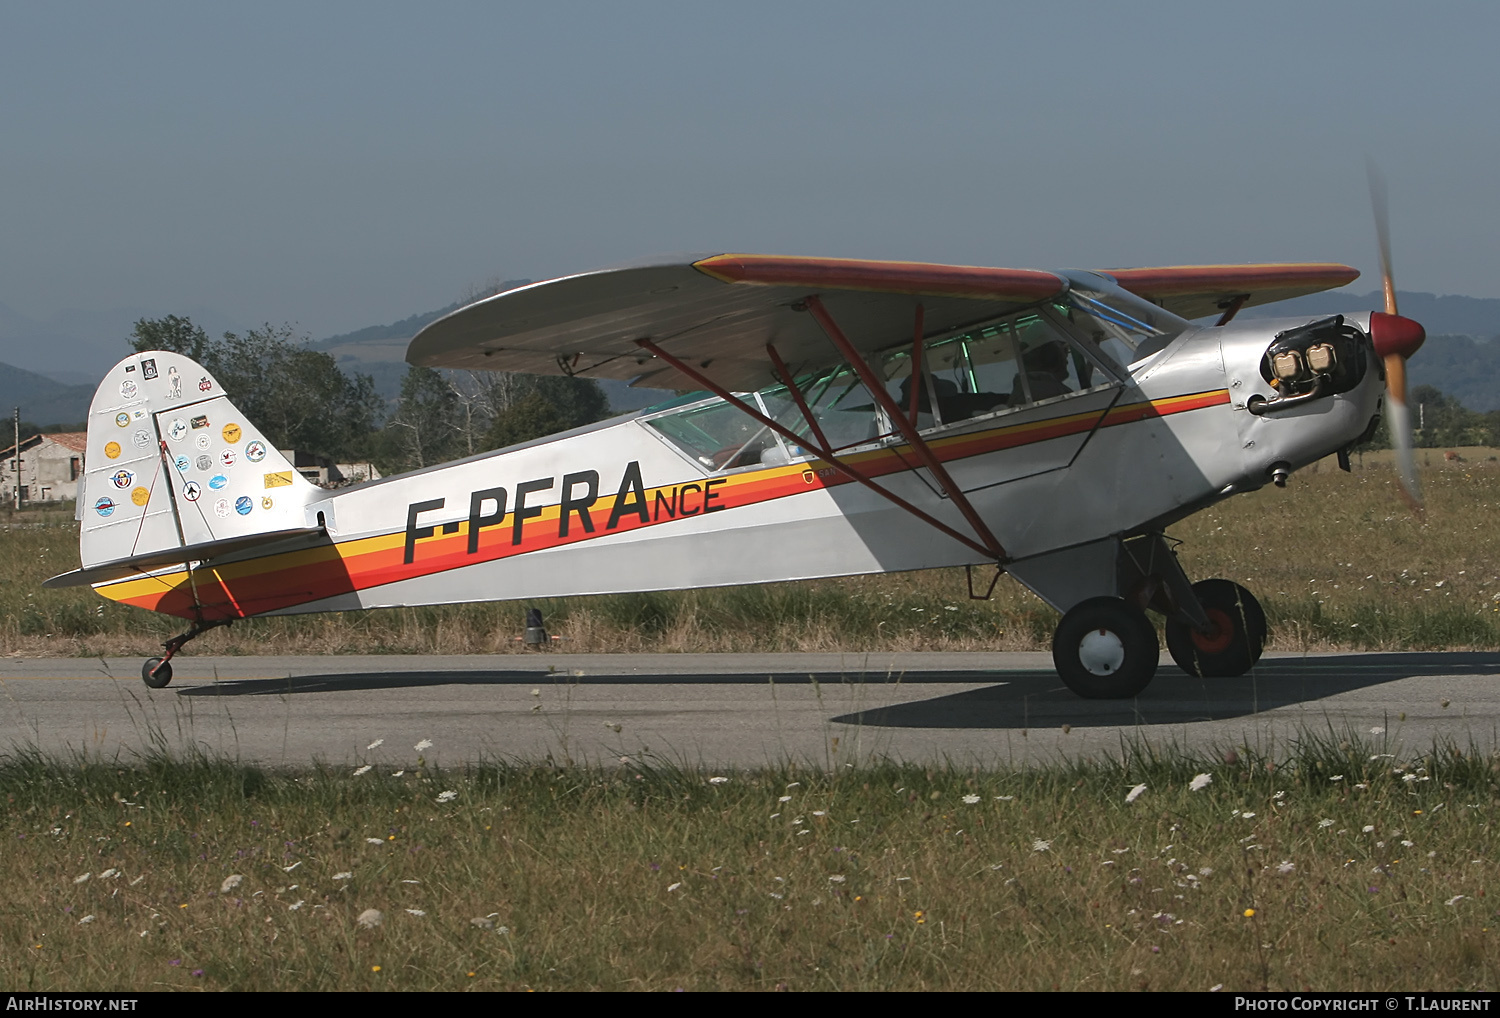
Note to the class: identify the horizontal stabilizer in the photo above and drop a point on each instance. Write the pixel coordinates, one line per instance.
(137, 565)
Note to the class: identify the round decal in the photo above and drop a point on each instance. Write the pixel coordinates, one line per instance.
(142, 439)
(182, 464)
(227, 457)
(140, 496)
(217, 481)
(112, 450)
(243, 505)
(191, 491)
(122, 479)
(205, 462)
(128, 389)
(122, 419)
(221, 507)
(255, 452)
(231, 433)
(105, 506)
(203, 442)
(265, 503)
(177, 429)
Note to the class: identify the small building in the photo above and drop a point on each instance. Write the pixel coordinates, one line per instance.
(325, 473)
(50, 466)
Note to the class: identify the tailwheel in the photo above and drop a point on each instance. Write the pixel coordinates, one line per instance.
(156, 672)
(1105, 650)
(1236, 640)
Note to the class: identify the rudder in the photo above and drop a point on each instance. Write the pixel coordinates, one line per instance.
(171, 462)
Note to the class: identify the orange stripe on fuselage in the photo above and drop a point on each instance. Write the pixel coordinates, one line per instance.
(256, 586)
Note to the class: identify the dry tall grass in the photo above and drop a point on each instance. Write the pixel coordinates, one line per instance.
(1338, 868)
(1335, 558)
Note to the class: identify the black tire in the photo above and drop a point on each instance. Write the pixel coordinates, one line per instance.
(163, 672)
(1105, 650)
(1238, 638)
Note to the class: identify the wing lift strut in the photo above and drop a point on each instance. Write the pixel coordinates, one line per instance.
(982, 539)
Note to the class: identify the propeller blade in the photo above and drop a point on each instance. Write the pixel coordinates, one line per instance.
(1398, 420)
(1382, 233)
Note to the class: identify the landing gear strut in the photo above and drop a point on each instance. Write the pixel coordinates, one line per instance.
(157, 671)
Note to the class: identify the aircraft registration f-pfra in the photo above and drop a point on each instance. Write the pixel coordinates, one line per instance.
(845, 417)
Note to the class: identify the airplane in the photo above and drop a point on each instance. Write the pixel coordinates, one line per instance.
(842, 417)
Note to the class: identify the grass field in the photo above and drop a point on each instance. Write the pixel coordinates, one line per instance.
(1336, 868)
(1335, 558)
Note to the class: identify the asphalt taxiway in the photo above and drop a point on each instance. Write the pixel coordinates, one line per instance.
(725, 709)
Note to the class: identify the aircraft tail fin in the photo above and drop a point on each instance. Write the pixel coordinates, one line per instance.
(171, 464)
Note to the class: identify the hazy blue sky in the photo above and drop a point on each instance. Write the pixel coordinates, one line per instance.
(342, 164)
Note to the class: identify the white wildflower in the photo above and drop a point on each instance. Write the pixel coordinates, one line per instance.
(416, 912)
(1325, 822)
(1367, 828)
(288, 869)
(785, 798)
(795, 784)
(1005, 798)
(1337, 777)
(1247, 816)
(447, 796)
(1216, 987)
(1285, 867)
(374, 841)
(411, 881)
(1038, 845)
(376, 744)
(970, 800)
(231, 882)
(346, 875)
(424, 744)
(482, 923)
(296, 905)
(503, 930)
(718, 781)
(1407, 844)
(820, 813)
(86, 919)
(1205, 871)
(397, 774)
(1200, 782)
(1454, 900)
(107, 874)
(363, 770)
(370, 918)
(1134, 793)
(674, 887)
(82, 878)
(1377, 730)
(837, 878)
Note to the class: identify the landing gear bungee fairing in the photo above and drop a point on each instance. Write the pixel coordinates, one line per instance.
(846, 417)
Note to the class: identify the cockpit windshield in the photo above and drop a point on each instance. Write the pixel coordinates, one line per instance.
(1127, 327)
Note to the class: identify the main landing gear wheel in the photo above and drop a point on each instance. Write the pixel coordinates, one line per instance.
(1236, 640)
(1105, 650)
(156, 672)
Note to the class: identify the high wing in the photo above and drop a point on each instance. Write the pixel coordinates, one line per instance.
(1196, 291)
(720, 312)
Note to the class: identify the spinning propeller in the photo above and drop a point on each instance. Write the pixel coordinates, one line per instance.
(1396, 338)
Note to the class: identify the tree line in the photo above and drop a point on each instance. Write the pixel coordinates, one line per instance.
(1441, 421)
(301, 399)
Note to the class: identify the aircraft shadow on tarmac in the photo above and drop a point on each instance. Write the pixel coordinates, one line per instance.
(1174, 697)
(1003, 699)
